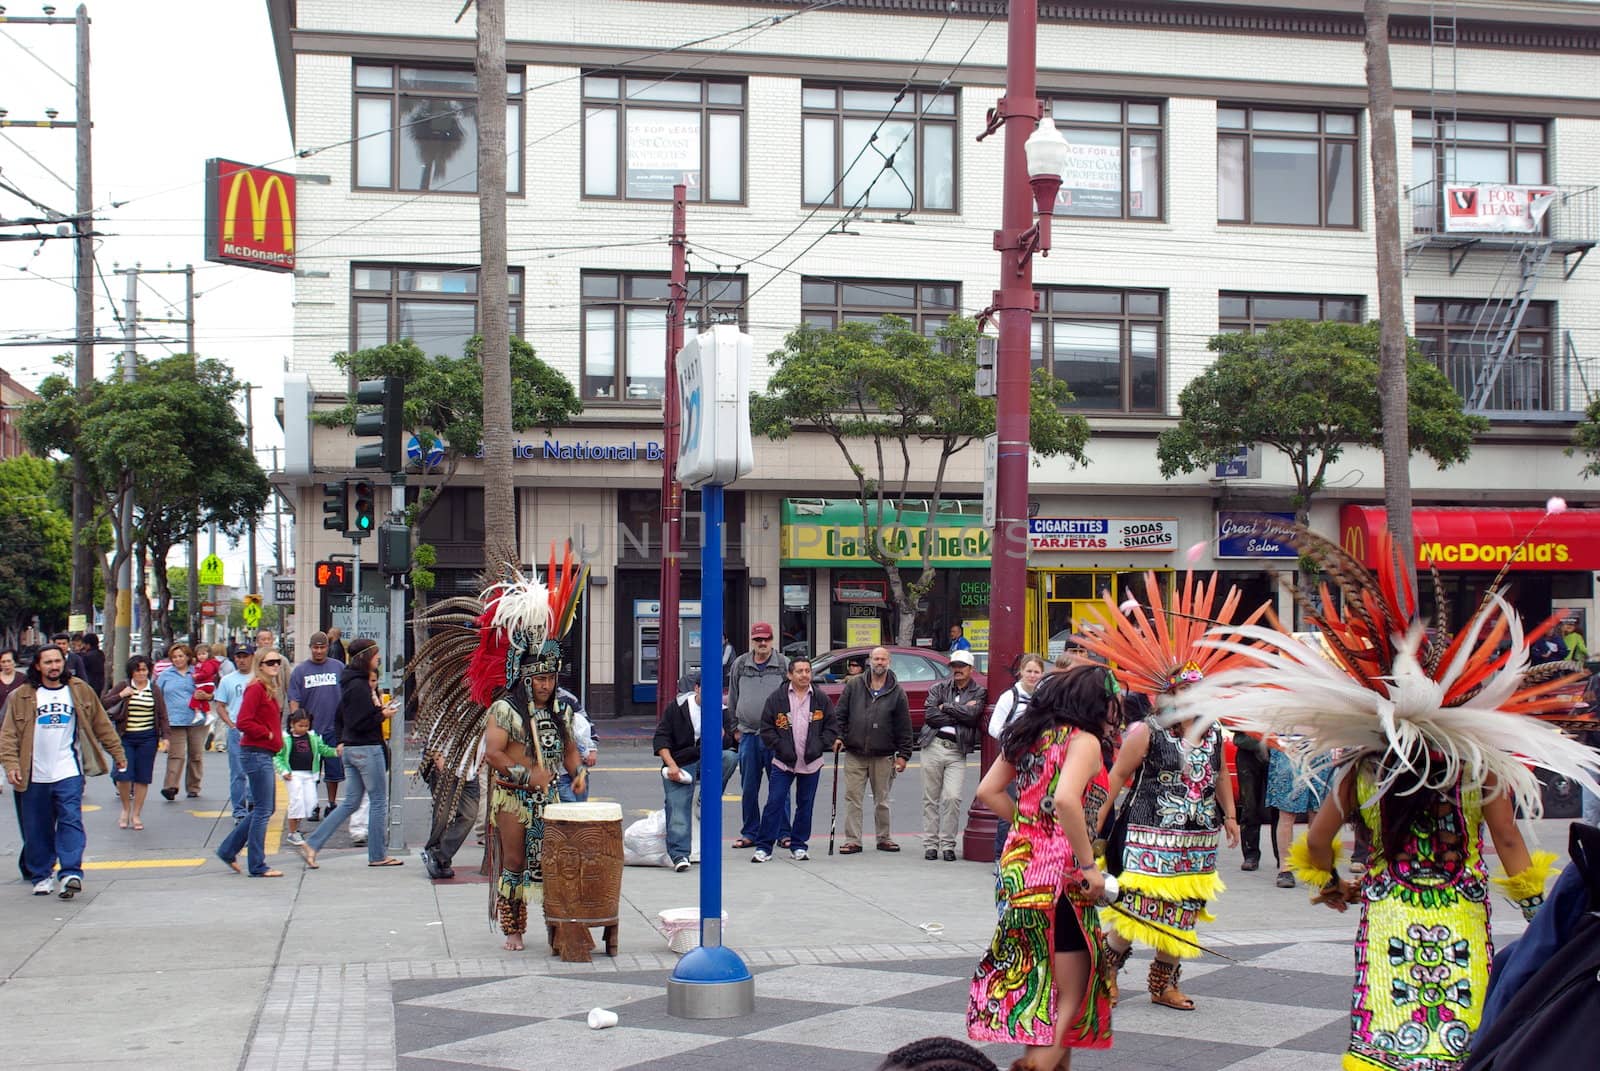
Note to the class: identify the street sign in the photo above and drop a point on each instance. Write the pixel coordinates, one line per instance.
(252, 611)
(211, 571)
(714, 408)
(283, 590)
(991, 464)
(208, 610)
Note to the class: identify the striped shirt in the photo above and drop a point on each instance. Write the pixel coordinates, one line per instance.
(141, 711)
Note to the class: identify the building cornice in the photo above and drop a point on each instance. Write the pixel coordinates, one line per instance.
(1052, 79)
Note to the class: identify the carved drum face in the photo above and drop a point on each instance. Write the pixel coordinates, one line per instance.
(582, 867)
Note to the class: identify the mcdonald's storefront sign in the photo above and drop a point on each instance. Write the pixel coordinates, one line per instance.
(249, 216)
(1526, 540)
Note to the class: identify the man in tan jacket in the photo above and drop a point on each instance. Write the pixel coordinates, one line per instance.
(48, 745)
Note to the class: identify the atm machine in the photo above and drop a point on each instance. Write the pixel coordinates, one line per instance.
(647, 644)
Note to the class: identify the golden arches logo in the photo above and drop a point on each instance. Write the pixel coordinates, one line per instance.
(1355, 542)
(260, 201)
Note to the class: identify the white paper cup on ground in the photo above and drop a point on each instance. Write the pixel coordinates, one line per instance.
(601, 1019)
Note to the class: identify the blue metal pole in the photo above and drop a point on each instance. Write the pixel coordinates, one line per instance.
(711, 715)
(711, 981)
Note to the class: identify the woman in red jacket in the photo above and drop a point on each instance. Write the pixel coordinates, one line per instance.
(260, 722)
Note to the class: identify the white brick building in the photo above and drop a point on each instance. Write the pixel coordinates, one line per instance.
(1223, 182)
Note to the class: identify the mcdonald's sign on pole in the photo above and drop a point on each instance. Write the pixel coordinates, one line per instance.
(249, 216)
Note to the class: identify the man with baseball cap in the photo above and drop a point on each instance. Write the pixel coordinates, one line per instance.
(752, 680)
(949, 731)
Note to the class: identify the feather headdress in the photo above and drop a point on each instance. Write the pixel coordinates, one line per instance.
(1442, 709)
(1162, 649)
(477, 647)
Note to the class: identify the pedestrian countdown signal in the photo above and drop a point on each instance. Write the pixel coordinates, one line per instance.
(333, 577)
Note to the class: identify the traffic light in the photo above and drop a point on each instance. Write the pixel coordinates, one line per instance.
(394, 549)
(335, 507)
(388, 453)
(333, 577)
(365, 506)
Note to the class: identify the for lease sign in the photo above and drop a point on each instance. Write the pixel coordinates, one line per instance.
(1081, 534)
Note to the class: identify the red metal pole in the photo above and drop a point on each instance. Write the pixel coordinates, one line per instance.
(1014, 304)
(671, 491)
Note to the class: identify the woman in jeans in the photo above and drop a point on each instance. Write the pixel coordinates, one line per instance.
(260, 723)
(360, 722)
(139, 712)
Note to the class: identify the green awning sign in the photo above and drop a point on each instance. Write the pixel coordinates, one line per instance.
(829, 533)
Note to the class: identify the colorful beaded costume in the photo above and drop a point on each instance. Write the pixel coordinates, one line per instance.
(1013, 997)
(1402, 711)
(1169, 858)
(515, 889)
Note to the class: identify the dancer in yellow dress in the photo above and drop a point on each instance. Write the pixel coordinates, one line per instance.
(1431, 737)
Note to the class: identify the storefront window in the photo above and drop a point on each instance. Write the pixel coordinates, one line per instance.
(794, 614)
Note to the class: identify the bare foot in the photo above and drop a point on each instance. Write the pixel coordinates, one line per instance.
(513, 942)
(309, 854)
(231, 864)
(136, 823)
(122, 820)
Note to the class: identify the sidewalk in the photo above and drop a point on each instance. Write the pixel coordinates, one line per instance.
(349, 968)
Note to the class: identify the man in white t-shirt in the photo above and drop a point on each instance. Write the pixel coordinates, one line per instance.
(48, 746)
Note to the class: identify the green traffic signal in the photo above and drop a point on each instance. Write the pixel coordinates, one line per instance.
(365, 506)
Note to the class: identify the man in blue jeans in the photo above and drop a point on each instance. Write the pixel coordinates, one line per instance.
(225, 704)
(678, 742)
(799, 725)
(753, 678)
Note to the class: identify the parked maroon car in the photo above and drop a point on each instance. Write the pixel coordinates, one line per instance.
(916, 668)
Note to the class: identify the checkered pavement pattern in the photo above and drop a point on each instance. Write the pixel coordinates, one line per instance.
(1281, 1006)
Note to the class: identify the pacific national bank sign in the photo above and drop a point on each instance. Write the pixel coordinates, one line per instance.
(250, 215)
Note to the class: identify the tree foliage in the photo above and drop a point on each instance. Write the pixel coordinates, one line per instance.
(444, 406)
(170, 438)
(1586, 439)
(1309, 391)
(35, 547)
(878, 389)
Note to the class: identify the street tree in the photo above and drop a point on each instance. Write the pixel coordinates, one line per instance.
(1309, 391)
(444, 409)
(35, 547)
(1586, 439)
(876, 390)
(168, 442)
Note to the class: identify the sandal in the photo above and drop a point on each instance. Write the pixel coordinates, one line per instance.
(744, 842)
(268, 874)
(783, 842)
(232, 864)
(308, 854)
(1164, 987)
(850, 849)
(391, 861)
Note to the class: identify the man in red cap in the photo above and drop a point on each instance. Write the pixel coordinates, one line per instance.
(753, 678)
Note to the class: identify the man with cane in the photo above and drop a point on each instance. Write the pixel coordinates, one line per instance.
(875, 736)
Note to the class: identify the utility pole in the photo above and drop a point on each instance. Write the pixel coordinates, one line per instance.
(130, 363)
(253, 585)
(1393, 389)
(277, 520)
(671, 490)
(194, 529)
(1015, 303)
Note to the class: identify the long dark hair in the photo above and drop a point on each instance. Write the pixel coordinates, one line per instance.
(1083, 697)
(1408, 805)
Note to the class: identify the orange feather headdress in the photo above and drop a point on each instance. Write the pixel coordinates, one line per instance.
(1161, 649)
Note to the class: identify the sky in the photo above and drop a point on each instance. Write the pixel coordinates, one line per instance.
(172, 84)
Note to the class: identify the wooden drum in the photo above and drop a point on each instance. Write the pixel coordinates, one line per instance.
(582, 876)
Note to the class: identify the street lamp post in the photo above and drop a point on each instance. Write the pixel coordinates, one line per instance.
(1035, 154)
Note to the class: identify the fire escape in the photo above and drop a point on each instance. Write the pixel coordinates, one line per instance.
(1486, 366)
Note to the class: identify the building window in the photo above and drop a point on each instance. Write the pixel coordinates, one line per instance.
(642, 136)
(1254, 313)
(879, 148)
(1510, 151)
(417, 129)
(1286, 168)
(1106, 344)
(1458, 336)
(926, 306)
(1114, 160)
(437, 308)
(625, 329)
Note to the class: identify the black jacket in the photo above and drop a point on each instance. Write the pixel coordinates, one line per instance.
(780, 739)
(360, 720)
(875, 725)
(958, 709)
(675, 732)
